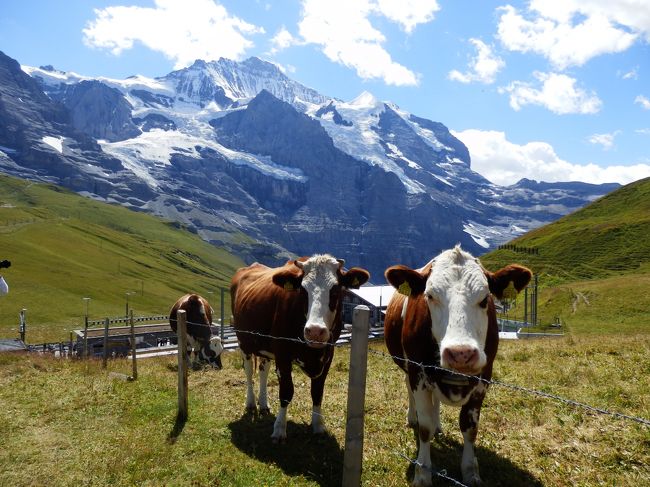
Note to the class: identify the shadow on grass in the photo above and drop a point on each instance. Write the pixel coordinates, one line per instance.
(317, 457)
(179, 424)
(495, 470)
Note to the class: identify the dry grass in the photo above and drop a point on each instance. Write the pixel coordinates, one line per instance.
(70, 423)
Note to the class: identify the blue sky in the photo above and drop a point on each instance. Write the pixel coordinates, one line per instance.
(551, 90)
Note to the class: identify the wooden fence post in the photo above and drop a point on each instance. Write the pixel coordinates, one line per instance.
(353, 456)
(105, 358)
(181, 330)
(134, 376)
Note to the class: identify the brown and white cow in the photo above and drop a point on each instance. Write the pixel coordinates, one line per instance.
(442, 320)
(199, 335)
(290, 314)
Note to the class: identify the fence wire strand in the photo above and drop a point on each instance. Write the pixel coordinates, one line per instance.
(505, 385)
(443, 473)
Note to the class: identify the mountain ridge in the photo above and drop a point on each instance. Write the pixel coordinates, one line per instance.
(296, 171)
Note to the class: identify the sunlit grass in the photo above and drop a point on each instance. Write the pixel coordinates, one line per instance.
(70, 422)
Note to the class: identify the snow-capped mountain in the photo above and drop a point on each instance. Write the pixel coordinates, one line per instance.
(265, 166)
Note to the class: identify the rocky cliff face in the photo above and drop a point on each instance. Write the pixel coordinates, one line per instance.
(257, 163)
(99, 111)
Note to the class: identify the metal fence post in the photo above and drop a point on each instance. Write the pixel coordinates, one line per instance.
(353, 456)
(23, 325)
(181, 331)
(223, 292)
(105, 357)
(86, 337)
(133, 344)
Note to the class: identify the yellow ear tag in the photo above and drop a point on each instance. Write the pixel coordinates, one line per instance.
(510, 292)
(288, 286)
(404, 289)
(355, 283)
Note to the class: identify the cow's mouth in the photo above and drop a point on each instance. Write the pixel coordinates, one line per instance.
(313, 344)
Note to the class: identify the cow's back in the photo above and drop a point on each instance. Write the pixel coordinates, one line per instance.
(259, 305)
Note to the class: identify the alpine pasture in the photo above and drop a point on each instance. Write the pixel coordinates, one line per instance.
(71, 422)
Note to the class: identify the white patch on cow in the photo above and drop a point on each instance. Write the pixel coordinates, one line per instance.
(317, 424)
(216, 346)
(469, 463)
(404, 306)
(454, 289)
(280, 426)
(263, 401)
(319, 277)
(250, 393)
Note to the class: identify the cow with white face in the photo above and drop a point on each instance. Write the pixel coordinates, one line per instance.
(290, 314)
(441, 329)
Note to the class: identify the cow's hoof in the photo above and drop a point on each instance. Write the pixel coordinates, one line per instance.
(265, 411)
(251, 410)
(281, 440)
(470, 474)
(422, 478)
(438, 432)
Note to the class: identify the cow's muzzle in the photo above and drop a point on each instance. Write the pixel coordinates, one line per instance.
(462, 358)
(316, 336)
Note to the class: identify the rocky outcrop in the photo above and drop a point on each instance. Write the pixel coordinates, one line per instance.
(100, 111)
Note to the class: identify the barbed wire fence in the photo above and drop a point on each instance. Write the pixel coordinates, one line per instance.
(361, 336)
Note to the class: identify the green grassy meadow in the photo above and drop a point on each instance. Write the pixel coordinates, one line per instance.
(70, 422)
(64, 247)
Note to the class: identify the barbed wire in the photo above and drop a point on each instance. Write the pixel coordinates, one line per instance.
(518, 388)
(547, 395)
(439, 473)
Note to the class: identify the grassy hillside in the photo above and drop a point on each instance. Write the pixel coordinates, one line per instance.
(64, 247)
(593, 265)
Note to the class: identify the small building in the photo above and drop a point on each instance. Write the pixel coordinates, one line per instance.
(375, 297)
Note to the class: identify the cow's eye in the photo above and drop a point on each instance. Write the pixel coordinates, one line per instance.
(483, 303)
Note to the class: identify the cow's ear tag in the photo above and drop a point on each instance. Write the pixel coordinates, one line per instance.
(356, 282)
(288, 286)
(404, 288)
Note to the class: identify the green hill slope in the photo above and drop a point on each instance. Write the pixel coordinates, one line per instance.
(594, 265)
(64, 247)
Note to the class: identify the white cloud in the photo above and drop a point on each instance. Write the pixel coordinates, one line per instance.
(644, 131)
(571, 32)
(182, 31)
(643, 101)
(558, 93)
(408, 13)
(633, 74)
(282, 40)
(343, 30)
(504, 162)
(604, 140)
(482, 68)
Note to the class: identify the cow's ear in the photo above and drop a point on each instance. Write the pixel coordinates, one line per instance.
(290, 279)
(406, 280)
(354, 278)
(498, 281)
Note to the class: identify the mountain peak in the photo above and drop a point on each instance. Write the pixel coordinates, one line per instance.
(365, 99)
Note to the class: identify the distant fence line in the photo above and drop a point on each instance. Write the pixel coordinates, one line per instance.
(521, 250)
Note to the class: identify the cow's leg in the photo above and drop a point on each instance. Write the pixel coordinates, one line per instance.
(264, 367)
(468, 419)
(283, 371)
(250, 393)
(317, 389)
(423, 399)
(411, 415)
(437, 426)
